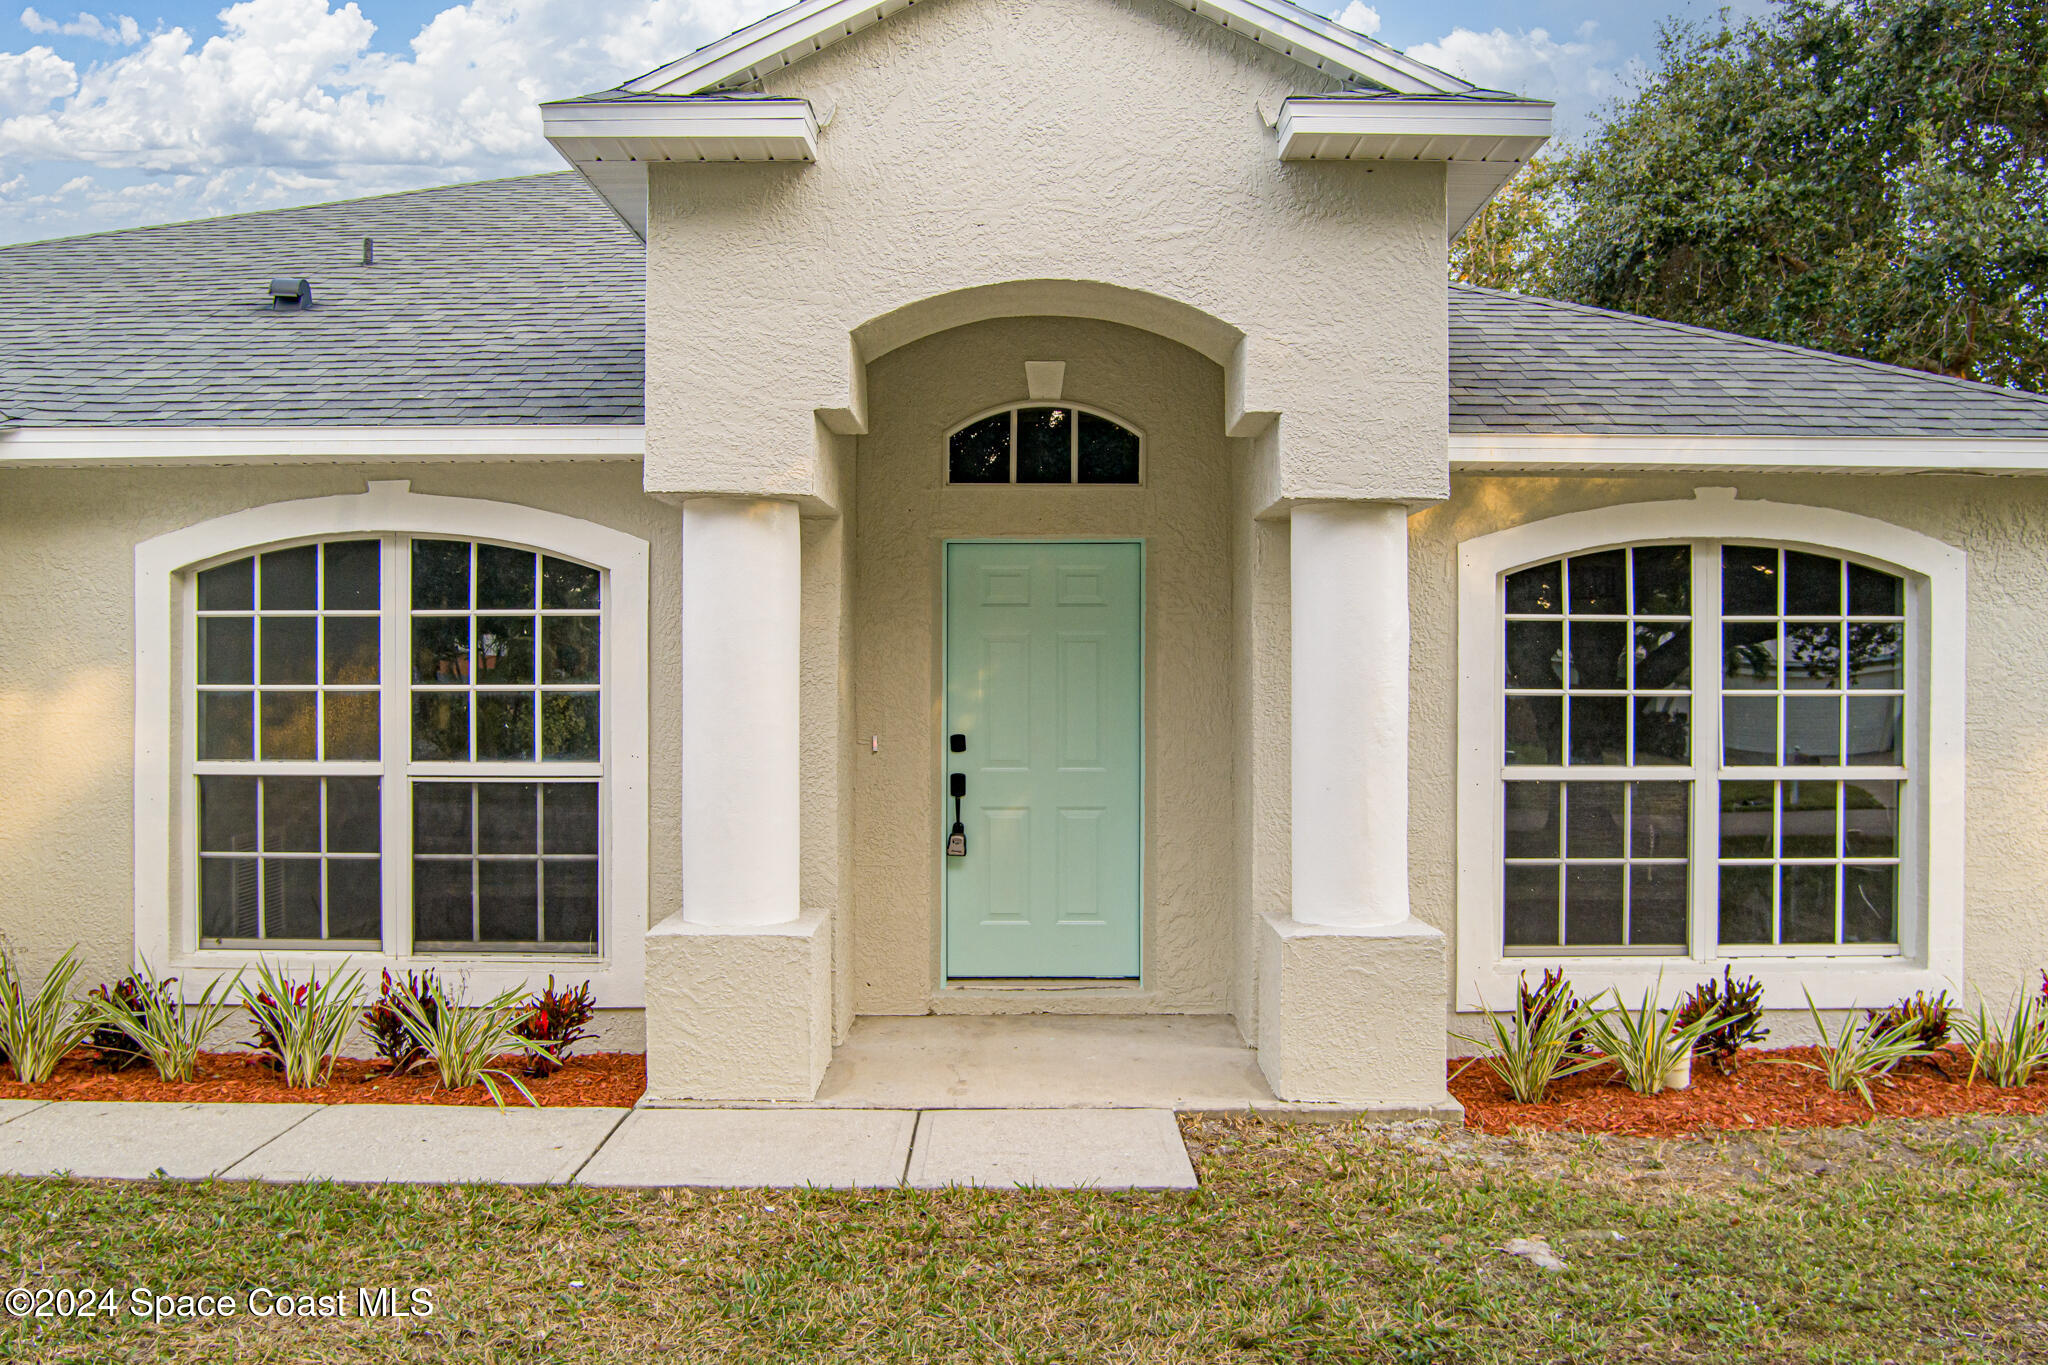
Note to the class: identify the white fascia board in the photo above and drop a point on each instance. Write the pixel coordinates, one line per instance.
(1584, 454)
(84, 447)
(1483, 141)
(790, 35)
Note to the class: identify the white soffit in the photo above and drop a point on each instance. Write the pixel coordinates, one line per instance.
(81, 446)
(610, 141)
(789, 36)
(1484, 141)
(1569, 454)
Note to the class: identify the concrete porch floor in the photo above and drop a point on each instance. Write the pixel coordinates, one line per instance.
(1045, 1061)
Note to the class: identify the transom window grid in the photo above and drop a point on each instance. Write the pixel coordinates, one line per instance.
(1046, 444)
(1860, 879)
(394, 759)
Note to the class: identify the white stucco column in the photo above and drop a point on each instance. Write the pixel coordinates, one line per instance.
(1349, 581)
(742, 586)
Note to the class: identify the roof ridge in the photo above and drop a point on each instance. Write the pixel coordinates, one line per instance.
(286, 208)
(1644, 320)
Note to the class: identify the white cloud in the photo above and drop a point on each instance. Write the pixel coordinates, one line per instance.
(123, 31)
(1360, 17)
(1527, 62)
(31, 79)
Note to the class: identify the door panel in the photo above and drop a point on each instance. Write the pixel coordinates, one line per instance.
(1044, 677)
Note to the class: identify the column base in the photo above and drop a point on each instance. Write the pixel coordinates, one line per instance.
(1353, 1016)
(738, 1012)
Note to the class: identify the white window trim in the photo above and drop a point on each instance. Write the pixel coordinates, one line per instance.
(165, 918)
(1073, 444)
(1937, 592)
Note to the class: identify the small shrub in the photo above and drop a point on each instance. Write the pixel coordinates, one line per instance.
(156, 1024)
(299, 1028)
(1646, 1044)
(555, 1019)
(2007, 1052)
(1926, 1018)
(396, 1047)
(1554, 992)
(465, 1041)
(1538, 1046)
(1734, 1011)
(37, 1030)
(114, 1043)
(1858, 1052)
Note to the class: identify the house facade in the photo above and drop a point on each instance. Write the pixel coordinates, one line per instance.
(993, 507)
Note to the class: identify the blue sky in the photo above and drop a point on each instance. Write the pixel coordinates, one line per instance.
(173, 109)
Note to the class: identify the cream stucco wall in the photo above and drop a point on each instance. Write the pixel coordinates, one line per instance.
(998, 145)
(1182, 512)
(2001, 525)
(67, 678)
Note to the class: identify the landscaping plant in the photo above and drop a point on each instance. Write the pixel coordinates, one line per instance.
(1647, 1044)
(396, 1047)
(1858, 1052)
(1927, 1015)
(2006, 1052)
(146, 1013)
(1540, 1044)
(1736, 1011)
(299, 1028)
(115, 1044)
(37, 1030)
(555, 1019)
(466, 1041)
(1553, 992)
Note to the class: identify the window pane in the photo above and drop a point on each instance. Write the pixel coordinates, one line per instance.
(507, 817)
(571, 906)
(1599, 654)
(1749, 731)
(1109, 453)
(504, 578)
(569, 816)
(227, 814)
(1598, 583)
(1537, 590)
(226, 720)
(1531, 827)
(1663, 580)
(1749, 581)
(349, 729)
(1874, 731)
(1813, 730)
(980, 453)
(1657, 895)
(508, 901)
(230, 587)
(355, 899)
(1813, 585)
(1593, 904)
(440, 726)
(1535, 730)
(443, 909)
(229, 905)
(289, 723)
(1663, 657)
(569, 649)
(1599, 730)
(440, 649)
(504, 650)
(1043, 453)
(291, 814)
(1535, 654)
(441, 821)
(440, 575)
(1746, 914)
(1806, 904)
(1749, 655)
(1660, 819)
(1813, 655)
(1594, 819)
(1869, 904)
(227, 649)
(1873, 592)
(291, 898)
(1531, 906)
(351, 652)
(569, 729)
(1870, 819)
(565, 584)
(288, 578)
(354, 815)
(1875, 655)
(288, 649)
(351, 576)
(1748, 819)
(1806, 827)
(504, 726)
(1663, 730)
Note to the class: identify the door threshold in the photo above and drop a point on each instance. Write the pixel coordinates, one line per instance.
(1042, 983)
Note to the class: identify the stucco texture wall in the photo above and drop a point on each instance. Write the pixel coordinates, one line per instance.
(980, 142)
(1183, 513)
(2003, 527)
(67, 698)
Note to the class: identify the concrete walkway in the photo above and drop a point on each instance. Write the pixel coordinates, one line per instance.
(632, 1148)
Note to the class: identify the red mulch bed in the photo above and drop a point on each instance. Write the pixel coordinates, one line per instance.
(1760, 1094)
(608, 1079)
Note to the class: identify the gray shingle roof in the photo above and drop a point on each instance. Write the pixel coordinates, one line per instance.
(524, 301)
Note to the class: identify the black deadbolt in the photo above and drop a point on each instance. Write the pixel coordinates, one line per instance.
(959, 784)
(959, 744)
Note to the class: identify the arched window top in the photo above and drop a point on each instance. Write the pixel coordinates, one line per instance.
(1044, 443)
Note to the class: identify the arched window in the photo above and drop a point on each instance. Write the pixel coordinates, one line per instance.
(415, 734)
(1714, 744)
(1049, 444)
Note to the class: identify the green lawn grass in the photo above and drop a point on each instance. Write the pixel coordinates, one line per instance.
(1306, 1243)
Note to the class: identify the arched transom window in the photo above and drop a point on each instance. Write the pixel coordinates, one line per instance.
(1049, 444)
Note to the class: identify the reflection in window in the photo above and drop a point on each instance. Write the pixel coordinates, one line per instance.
(1043, 444)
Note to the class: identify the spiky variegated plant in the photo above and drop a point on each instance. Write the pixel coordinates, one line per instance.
(2008, 1051)
(159, 1024)
(464, 1041)
(1538, 1045)
(1862, 1050)
(37, 1030)
(299, 1028)
(1647, 1043)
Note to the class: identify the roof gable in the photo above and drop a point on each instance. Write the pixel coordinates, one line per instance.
(789, 36)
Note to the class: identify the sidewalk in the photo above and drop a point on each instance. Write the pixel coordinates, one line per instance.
(630, 1148)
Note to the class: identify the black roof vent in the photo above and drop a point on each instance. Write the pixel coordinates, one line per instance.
(291, 294)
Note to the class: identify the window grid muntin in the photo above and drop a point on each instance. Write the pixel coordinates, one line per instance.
(1708, 750)
(1074, 412)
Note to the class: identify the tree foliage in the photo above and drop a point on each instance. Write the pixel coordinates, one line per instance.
(1865, 176)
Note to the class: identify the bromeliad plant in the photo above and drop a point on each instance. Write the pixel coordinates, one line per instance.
(145, 1013)
(1651, 1048)
(115, 1045)
(1927, 1017)
(1539, 1044)
(299, 1027)
(465, 1042)
(555, 1019)
(2007, 1052)
(37, 1030)
(398, 1049)
(1862, 1050)
(1736, 1011)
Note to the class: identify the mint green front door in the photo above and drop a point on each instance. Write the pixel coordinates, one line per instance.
(1044, 689)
